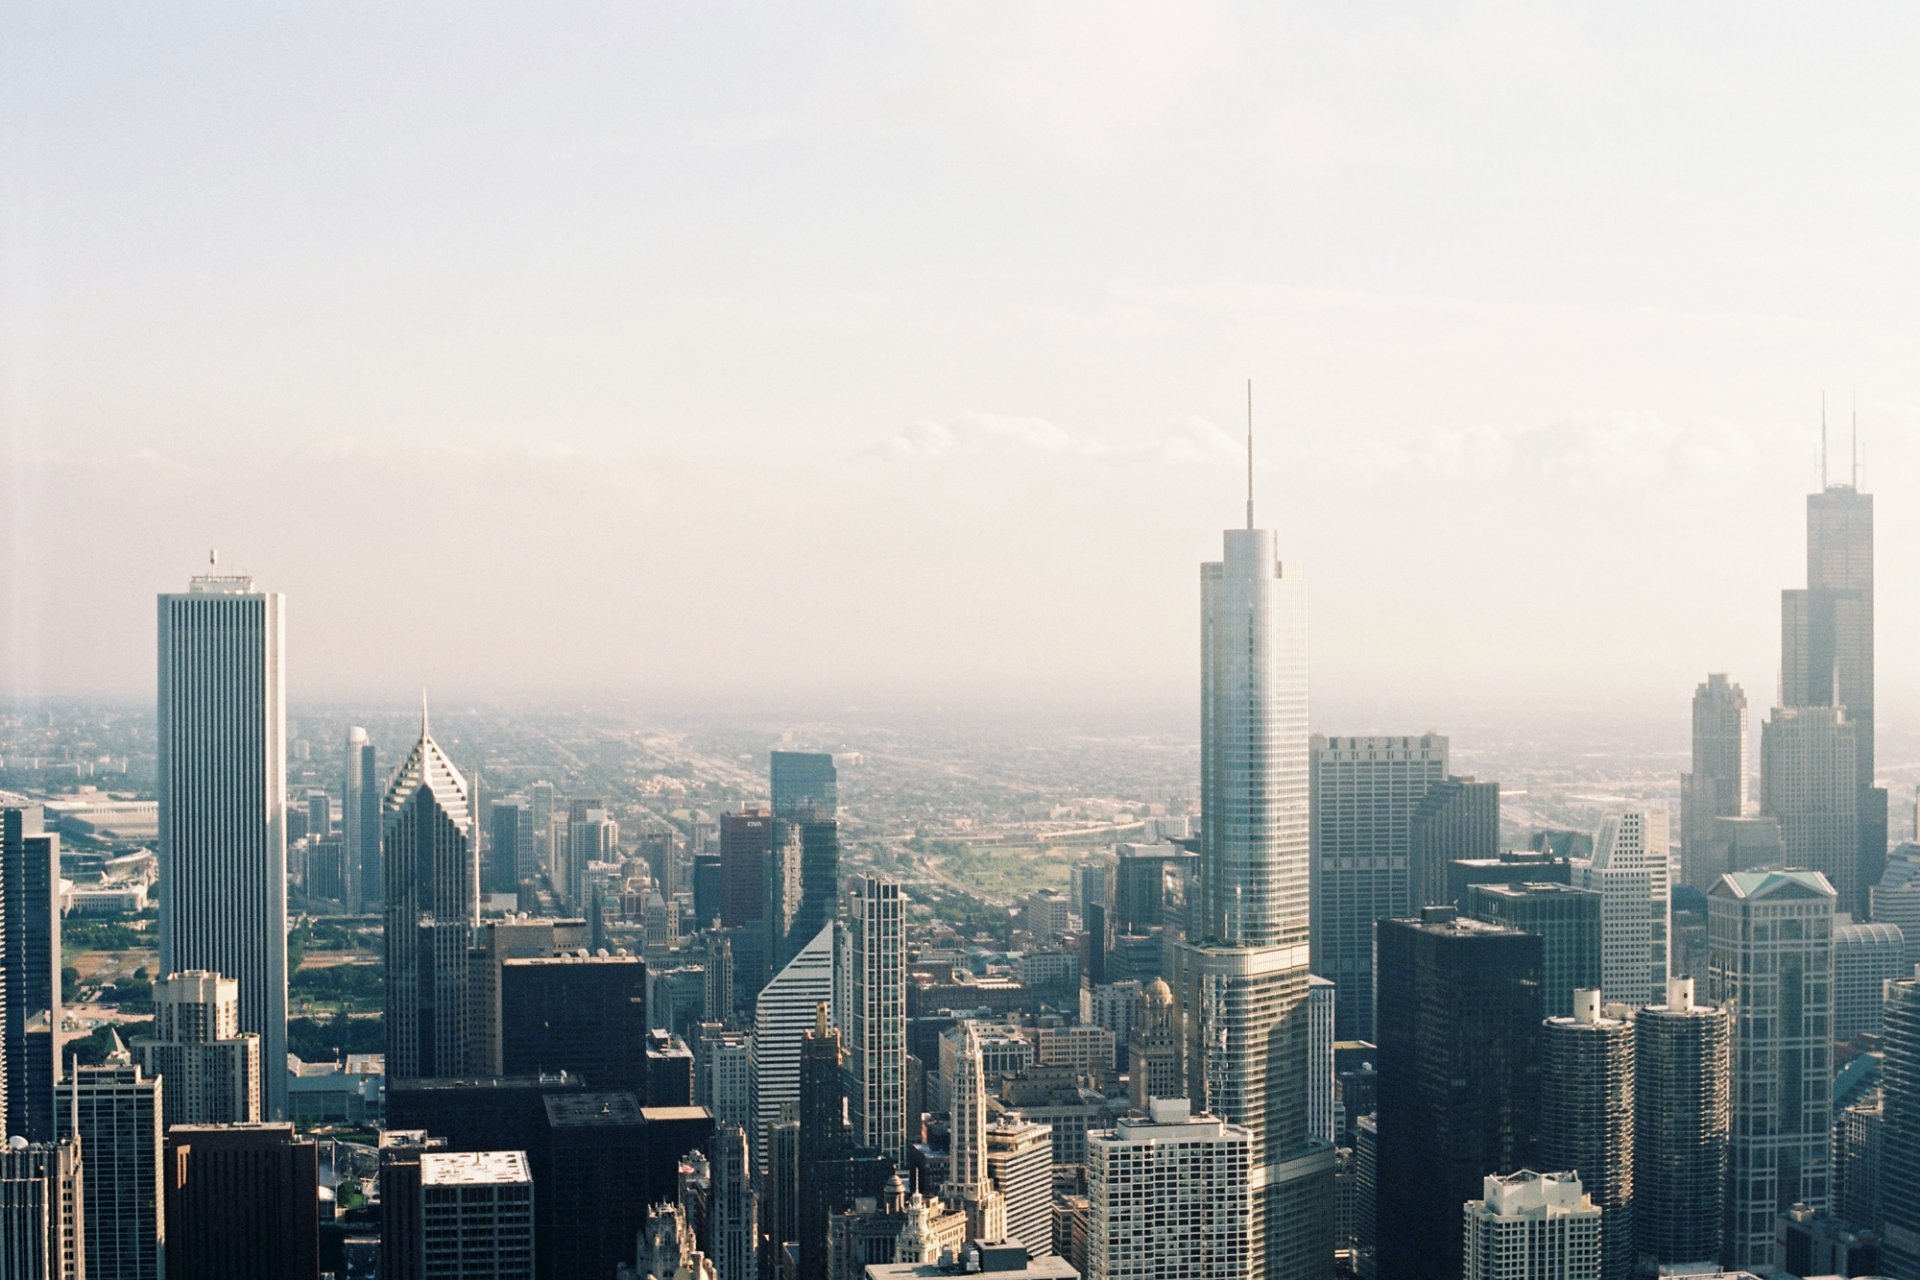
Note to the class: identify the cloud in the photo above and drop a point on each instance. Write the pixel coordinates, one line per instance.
(990, 434)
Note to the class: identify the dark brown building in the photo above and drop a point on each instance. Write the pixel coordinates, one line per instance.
(243, 1203)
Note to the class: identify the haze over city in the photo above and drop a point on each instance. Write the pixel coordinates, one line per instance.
(884, 357)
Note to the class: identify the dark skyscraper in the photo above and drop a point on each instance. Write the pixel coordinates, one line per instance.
(30, 972)
(1459, 818)
(1586, 1118)
(803, 883)
(824, 1140)
(242, 1203)
(586, 1015)
(510, 847)
(1568, 922)
(805, 782)
(1459, 1052)
(1681, 1114)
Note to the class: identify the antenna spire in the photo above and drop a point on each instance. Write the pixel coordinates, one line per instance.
(423, 712)
(1249, 453)
(1823, 440)
(1854, 474)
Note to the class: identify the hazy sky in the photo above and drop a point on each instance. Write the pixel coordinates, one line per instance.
(877, 352)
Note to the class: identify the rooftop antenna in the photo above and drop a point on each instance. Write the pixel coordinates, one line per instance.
(1249, 454)
(423, 711)
(1823, 440)
(213, 557)
(1856, 439)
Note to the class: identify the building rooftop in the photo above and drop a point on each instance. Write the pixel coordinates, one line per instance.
(1765, 884)
(594, 1108)
(473, 1168)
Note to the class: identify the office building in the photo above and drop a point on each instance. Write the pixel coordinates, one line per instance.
(1629, 869)
(1682, 1113)
(1533, 1226)
(1365, 792)
(1459, 1077)
(360, 824)
(1716, 785)
(1896, 899)
(582, 1014)
(223, 800)
(822, 1143)
(734, 1227)
(1049, 917)
(510, 847)
(432, 909)
(1735, 844)
(31, 1009)
(242, 1203)
(1865, 958)
(1241, 975)
(1827, 661)
(803, 883)
(1140, 885)
(1020, 1164)
(211, 1067)
(476, 1215)
(1320, 1022)
(729, 1078)
(968, 1187)
(993, 1259)
(1810, 758)
(1569, 922)
(746, 841)
(41, 1204)
(1770, 948)
(805, 782)
(1513, 866)
(1587, 1119)
(115, 1111)
(781, 1016)
(1900, 1131)
(876, 1024)
(1171, 1194)
(1459, 819)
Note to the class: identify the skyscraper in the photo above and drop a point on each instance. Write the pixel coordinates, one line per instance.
(1811, 762)
(211, 1067)
(1629, 869)
(1900, 1135)
(1171, 1193)
(822, 1140)
(805, 783)
(1459, 1085)
(360, 824)
(781, 1016)
(1587, 1119)
(29, 973)
(1365, 794)
(1568, 921)
(41, 1203)
(1681, 1114)
(803, 883)
(510, 851)
(969, 1187)
(223, 800)
(1827, 660)
(1242, 974)
(432, 908)
(876, 1024)
(1020, 1162)
(1532, 1226)
(475, 1210)
(1459, 819)
(115, 1112)
(242, 1203)
(1716, 786)
(1865, 958)
(1770, 951)
(734, 1223)
(1896, 899)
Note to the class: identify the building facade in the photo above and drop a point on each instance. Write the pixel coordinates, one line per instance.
(1716, 785)
(1532, 1226)
(31, 1009)
(211, 1067)
(1682, 1115)
(876, 1023)
(1587, 1119)
(1630, 871)
(1170, 1194)
(115, 1112)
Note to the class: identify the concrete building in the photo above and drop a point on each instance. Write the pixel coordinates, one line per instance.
(31, 1009)
(1049, 917)
(115, 1111)
(1587, 1119)
(1153, 1048)
(1682, 1115)
(211, 1067)
(1365, 793)
(476, 1215)
(1629, 869)
(1532, 1226)
(1458, 821)
(1716, 785)
(42, 1201)
(1810, 786)
(784, 1012)
(1896, 899)
(1900, 1131)
(1170, 1194)
(1770, 945)
(876, 1023)
(1865, 958)
(1321, 1020)
(1737, 844)
(363, 879)
(1020, 1164)
(734, 1227)
(223, 800)
(995, 1259)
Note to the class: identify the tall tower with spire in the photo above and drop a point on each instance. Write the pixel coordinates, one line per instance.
(432, 896)
(968, 1186)
(1242, 975)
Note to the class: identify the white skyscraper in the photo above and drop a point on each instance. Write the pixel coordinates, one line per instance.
(1629, 869)
(223, 800)
(968, 1185)
(1020, 1161)
(432, 898)
(876, 1028)
(476, 1214)
(360, 824)
(211, 1067)
(1170, 1194)
(785, 1011)
(1242, 974)
(1532, 1226)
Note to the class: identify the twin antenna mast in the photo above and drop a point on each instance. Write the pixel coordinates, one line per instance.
(1853, 443)
(1249, 453)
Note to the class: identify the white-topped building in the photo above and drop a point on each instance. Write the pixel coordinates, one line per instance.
(1531, 1226)
(783, 1012)
(1170, 1196)
(476, 1215)
(1629, 869)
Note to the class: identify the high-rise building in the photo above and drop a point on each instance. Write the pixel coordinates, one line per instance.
(969, 1188)
(1171, 1194)
(115, 1111)
(1810, 757)
(1900, 1131)
(1020, 1162)
(734, 1227)
(1459, 820)
(1242, 973)
(1365, 793)
(432, 909)
(582, 1014)
(1629, 869)
(510, 851)
(223, 800)
(1049, 917)
(1735, 844)
(781, 1016)
(803, 883)
(1896, 899)
(476, 1215)
(805, 782)
(823, 1141)
(41, 1203)
(1532, 1226)
(1321, 1023)
(1459, 1083)
(211, 1067)
(1587, 1119)
(360, 824)
(242, 1203)
(876, 1024)
(1716, 786)
(746, 842)
(1682, 1102)
(592, 836)
(1865, 958)
(31, 1012)
(1827, 660)
(1770, 952)
(1568, 921)
(1153, 1047)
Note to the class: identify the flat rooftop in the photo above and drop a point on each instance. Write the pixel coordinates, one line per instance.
(473, 1168)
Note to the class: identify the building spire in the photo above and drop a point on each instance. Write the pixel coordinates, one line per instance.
(423, 713)
(1853, 477)
(1249, 453)
(1823, 441)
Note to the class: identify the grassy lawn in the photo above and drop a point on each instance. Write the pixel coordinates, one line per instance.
(1009, 871)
